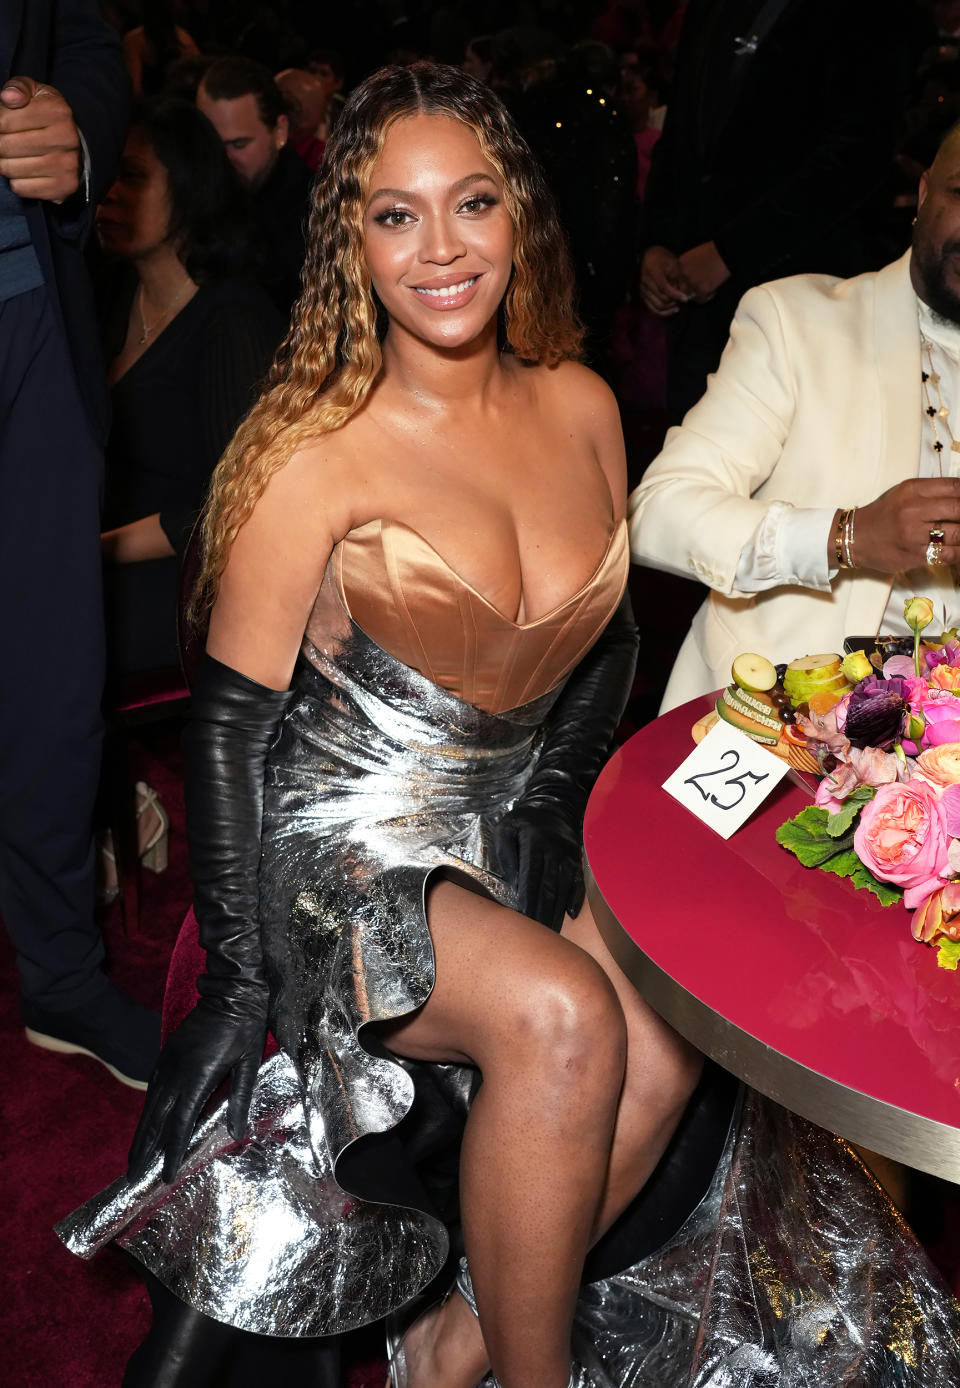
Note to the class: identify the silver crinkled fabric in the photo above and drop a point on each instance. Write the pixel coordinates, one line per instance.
(378, 779)
(794, 1271)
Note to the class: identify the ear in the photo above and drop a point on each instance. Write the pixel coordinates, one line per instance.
(281, 132)
(923, 189)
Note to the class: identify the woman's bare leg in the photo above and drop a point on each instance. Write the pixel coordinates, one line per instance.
(661, 1073)
(539, 1177)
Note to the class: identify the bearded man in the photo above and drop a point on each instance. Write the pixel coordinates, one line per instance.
(816, 484)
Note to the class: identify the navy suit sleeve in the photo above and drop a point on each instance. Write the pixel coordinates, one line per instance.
(87, 67)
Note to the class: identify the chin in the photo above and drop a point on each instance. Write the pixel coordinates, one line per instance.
(941, 287)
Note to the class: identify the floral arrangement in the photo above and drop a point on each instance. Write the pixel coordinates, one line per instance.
(887, 811)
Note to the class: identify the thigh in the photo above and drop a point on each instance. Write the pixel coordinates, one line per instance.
(497, 974)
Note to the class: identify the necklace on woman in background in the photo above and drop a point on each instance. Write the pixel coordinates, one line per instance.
(148, 328)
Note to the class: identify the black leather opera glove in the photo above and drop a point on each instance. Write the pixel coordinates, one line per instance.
(233, 722)
(540, 841)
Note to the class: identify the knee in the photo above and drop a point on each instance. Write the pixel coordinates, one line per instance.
(574, 1028)
(663, 1075)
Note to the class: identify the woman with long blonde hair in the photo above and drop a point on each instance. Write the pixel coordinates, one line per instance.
(411, 546)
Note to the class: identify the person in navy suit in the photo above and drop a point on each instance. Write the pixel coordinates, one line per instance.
(63, 114)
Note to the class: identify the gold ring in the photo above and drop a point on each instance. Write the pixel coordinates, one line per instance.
(937, 535)
(933, 553)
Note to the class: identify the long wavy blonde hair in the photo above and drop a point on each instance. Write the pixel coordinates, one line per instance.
(330, 359)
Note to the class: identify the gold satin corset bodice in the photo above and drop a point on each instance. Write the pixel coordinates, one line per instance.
(407, 598)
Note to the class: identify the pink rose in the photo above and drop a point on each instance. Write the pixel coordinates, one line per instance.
(902, 837)
(940, 711)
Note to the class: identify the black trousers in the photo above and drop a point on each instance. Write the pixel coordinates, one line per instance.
(51, 666)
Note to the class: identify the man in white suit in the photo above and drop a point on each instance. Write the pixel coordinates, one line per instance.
(830, 395)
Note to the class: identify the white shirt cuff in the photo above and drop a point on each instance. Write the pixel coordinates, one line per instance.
(788, 548)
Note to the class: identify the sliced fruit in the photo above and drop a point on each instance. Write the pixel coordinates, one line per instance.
(824, 701)
(759, 706)
(755, 673)
(812, 674)
(746, 724)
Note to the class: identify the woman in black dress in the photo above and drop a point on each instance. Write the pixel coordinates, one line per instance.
(189, 340)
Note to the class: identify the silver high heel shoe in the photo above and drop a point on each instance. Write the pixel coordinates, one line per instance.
(396, 1328)
(580, 1375)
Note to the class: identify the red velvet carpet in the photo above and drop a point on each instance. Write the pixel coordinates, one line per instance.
(65, 1126)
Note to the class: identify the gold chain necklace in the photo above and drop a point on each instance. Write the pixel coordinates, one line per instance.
(148, 328)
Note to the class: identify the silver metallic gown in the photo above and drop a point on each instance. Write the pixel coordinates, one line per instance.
(795, 1270)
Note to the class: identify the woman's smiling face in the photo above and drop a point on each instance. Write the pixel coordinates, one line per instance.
(437, 233)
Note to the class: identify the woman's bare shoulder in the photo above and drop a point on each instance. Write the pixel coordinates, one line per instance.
(586, 405)
(322, 482)
(577, 387)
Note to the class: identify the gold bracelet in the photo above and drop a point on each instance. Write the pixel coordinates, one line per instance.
(839, 549)
(848, 538)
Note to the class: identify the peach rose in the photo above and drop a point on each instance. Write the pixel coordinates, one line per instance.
(902, 837)
(940, 766)
(945, 677)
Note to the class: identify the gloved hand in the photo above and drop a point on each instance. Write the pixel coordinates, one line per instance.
(233, 721)
(539, 842)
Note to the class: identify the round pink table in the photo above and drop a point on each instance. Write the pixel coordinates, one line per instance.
(802, 986)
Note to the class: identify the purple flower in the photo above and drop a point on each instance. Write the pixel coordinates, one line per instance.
(874, 711)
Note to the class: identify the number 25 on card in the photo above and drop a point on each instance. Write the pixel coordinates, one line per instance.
(725, 778)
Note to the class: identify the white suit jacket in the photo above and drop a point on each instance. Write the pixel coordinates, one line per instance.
(816, 401)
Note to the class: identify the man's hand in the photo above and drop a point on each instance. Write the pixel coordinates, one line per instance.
(40, 150)
(663, 286)
(704, 271)
(892, 533)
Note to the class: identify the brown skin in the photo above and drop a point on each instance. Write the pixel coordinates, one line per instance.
(515, 475)
(892, 532)
(40, 150)
(669, 281)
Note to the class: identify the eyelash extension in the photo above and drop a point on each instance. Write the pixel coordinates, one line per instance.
(486, 199)
(383, 218)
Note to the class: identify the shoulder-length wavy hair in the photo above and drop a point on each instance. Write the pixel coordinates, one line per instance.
(330, 359)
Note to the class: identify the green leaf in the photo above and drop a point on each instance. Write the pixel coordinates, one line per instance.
(948, 955)
(839, 823)
(887, 893)
(806, 836)
(843, 864)
(847, 864)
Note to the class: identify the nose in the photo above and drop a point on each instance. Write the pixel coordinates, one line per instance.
(442, 240)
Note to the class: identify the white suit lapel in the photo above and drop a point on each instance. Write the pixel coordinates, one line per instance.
(896, 355)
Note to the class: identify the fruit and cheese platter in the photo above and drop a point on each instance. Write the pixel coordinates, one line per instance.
(882, 737)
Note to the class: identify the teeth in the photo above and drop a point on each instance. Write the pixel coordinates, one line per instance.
(450, 289)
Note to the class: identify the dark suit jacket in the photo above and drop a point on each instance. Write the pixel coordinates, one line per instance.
(68, 44)
(783, 163)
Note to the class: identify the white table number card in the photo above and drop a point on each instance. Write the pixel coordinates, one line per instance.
(725, 778)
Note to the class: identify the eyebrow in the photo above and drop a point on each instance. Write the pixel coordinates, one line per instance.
(454, 187)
